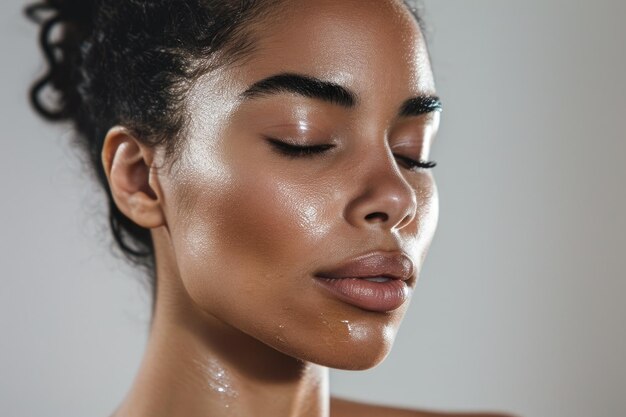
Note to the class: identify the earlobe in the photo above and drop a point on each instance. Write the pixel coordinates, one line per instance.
(128, 166)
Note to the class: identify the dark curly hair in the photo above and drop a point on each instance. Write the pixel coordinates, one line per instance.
(130, 62)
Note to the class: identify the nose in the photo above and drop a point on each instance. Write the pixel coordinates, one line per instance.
(383, 197)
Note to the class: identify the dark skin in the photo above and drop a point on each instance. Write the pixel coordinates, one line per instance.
(239, 227)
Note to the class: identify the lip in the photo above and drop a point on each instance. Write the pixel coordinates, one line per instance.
(346, 281)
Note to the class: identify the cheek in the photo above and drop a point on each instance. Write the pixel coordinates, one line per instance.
(427, 213)
(247, 236)
(418, 235)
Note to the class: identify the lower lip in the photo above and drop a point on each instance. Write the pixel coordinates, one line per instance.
(368, 295)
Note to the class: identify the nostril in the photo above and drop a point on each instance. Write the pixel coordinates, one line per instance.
(383, 217)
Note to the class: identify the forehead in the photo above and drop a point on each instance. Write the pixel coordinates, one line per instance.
(369, 46)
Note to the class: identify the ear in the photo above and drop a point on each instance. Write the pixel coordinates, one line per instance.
(133, 181)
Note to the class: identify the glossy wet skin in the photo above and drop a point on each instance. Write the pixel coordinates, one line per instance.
(240, 229)
(250, 226)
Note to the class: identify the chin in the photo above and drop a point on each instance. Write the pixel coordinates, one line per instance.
(350, 358)
(365, 347)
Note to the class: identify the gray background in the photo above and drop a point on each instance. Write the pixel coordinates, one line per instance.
(520, 306)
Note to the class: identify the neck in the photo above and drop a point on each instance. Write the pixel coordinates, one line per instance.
(196, 365)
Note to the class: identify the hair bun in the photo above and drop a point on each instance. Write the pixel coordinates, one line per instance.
(62, 54)
(76, 11)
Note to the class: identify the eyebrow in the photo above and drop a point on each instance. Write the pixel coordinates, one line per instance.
(330, 92)
(302, 85)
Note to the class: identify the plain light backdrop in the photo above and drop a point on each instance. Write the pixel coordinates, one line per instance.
(520, 306)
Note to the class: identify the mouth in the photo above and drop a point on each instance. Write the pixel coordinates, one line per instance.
(379, 294)
(377, 281)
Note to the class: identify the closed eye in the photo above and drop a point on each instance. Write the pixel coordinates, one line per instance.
(296, 151)
(415, 165)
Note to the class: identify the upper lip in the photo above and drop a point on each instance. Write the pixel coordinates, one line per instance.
(395, 265)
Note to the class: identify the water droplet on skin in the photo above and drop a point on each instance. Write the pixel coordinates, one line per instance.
(218, 379)
(358, 332)
(348, 326)
(280, 333)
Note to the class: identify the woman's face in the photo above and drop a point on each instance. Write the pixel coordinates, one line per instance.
(254, 223)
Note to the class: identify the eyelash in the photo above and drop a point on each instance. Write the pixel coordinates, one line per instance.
(413, 164)
(294, 151)
(298, 151)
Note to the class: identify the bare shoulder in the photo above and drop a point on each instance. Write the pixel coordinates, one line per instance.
(345, 408)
